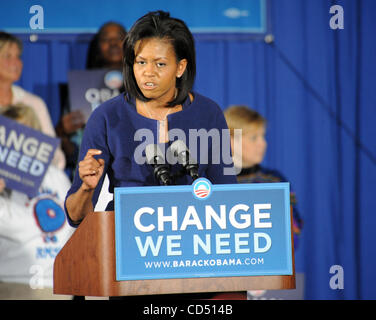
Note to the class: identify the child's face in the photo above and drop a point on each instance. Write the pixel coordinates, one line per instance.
(253, 146)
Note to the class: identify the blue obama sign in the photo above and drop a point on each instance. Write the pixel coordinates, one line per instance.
(25, 155)
(203, 230)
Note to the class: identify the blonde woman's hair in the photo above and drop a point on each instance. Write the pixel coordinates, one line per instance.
(241, 117)
(23, 114)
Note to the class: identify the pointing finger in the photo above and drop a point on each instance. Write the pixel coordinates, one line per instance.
(92, 152)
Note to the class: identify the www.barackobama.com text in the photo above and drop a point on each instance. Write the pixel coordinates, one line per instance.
(203, 263)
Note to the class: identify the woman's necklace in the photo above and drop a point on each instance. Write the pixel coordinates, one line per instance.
(164, 119)
(163, 128)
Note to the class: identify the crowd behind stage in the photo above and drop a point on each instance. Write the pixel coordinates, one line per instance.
(29, 243)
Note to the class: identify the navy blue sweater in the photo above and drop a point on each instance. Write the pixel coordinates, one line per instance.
(112, 127)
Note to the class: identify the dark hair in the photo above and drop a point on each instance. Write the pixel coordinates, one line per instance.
(94, 57)
(159, 24)
(9, 38)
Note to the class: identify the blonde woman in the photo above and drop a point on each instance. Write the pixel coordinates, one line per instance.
(10, 94)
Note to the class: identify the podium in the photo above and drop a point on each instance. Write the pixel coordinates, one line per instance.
(86, 266)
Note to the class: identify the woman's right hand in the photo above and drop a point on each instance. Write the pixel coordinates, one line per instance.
(90, 169)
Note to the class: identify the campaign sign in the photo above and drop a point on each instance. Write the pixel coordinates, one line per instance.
(89, 88)
(203, 230)
(25, 155)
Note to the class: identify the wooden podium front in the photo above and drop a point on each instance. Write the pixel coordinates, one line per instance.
(85, 266)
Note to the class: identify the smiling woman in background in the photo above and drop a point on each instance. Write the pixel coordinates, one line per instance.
(106, 47)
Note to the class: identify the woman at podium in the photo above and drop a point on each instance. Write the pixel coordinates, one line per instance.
(157, 108)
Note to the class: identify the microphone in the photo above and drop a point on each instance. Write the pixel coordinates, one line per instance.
(155, 158)
(181, 151)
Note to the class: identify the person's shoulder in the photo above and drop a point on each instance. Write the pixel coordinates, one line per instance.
(203, 103)
(273, 172)
(19, 93)
(202, 100)
(23, 96)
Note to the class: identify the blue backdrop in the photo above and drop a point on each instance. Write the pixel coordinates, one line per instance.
(62, 16)
(315, 86)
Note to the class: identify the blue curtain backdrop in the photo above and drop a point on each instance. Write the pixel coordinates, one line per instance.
(316, 87)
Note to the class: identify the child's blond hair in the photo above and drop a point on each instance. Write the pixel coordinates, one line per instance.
(241, 117)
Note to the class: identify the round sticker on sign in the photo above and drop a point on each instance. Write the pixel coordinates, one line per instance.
(202, 189)
(113, 79)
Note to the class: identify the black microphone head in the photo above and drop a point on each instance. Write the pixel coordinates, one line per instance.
(155, 158)
(181, 151)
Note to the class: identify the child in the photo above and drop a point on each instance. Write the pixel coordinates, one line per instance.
(250, 153)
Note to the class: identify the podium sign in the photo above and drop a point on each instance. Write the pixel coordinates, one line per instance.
(202, 230)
